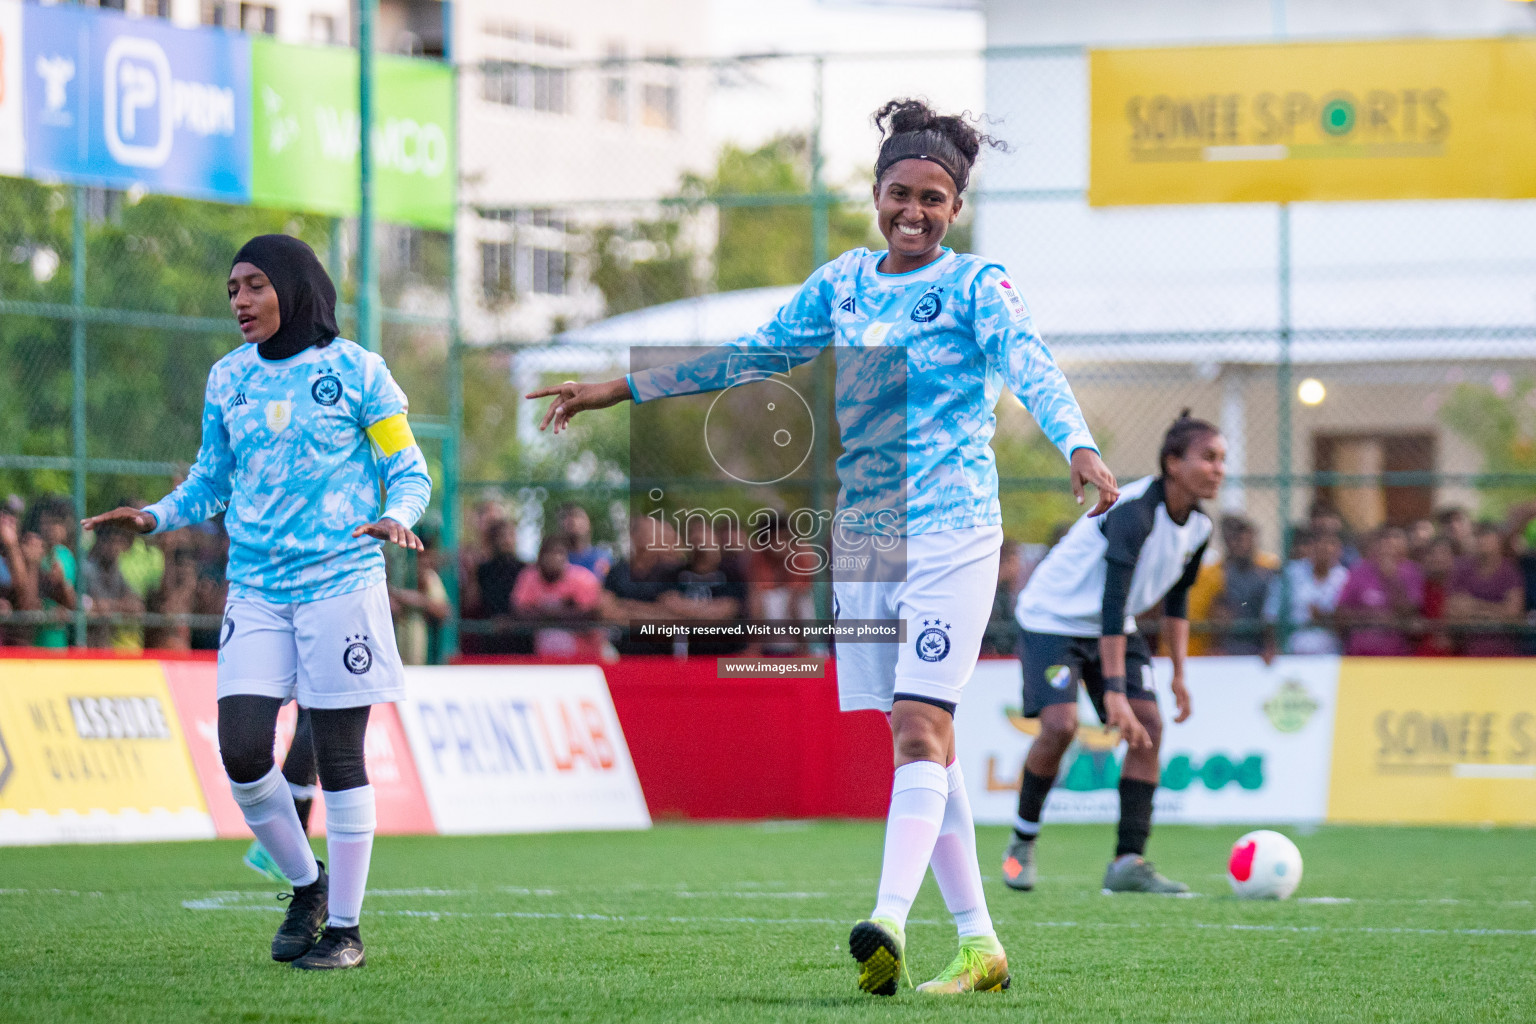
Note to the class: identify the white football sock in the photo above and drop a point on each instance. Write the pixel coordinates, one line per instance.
(349, 824)
(918, 797)
(954, 862)
(269, 811)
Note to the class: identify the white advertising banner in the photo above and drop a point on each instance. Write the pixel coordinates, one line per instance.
(11, 135)
(1257, 747)
(520, 748)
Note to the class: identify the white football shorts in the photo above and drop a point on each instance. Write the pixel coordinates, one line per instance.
(945, 598)
(337, 652)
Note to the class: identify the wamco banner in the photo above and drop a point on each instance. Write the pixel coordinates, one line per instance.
(1255, 749)
(1413, 119)
(307, 134)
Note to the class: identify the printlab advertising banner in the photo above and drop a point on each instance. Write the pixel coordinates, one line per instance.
(401, 804)
(1408, 119)
(306, 134)
(1256, 748)
(11, 135)
(119, 102)
(1426, 741)
(92, 752)
(520, 749)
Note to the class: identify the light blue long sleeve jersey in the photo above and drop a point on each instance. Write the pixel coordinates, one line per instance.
(965, 331)
(300, 452)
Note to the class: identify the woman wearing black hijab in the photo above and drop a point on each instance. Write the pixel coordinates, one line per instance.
(302, 430)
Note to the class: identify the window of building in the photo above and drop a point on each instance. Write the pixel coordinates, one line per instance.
(615, 105)
(1364, 499)
(529, 86)
(215, 13)
(658, 105)
(258, 19)
(322, 29)
(548, 272)
(531, 257)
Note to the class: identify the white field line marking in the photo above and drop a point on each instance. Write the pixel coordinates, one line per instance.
(47, 892)
(235, 901)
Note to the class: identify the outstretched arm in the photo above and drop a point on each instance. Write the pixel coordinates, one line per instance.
(800, 330)
(202, 495)
(1007, 336)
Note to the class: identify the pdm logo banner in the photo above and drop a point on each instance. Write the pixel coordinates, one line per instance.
(11, 135)
(526, 748)
(1435, 741)
(1255, 750)
(96, 754)
(1403, 119)
(121, 102)
(308, 131)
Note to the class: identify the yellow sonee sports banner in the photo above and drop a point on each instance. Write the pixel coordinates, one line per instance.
(92, 751)
(1436, 742)
(1419, 119)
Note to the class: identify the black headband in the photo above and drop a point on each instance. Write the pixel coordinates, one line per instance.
(924, 145)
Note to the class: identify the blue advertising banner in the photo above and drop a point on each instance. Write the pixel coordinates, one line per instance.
(119, 102)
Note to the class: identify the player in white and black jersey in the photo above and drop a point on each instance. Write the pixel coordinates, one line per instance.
(1078, 614)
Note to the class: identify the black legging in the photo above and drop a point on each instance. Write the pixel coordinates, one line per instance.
(248, 727)
(299, 765)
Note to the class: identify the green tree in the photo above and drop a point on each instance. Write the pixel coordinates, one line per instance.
(1500, 422)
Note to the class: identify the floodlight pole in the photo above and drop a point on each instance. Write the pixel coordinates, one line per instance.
(367, 263)
(77, 403)
(453, 442)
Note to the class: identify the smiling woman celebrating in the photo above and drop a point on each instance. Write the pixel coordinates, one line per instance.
(926, 338)
(301, 430)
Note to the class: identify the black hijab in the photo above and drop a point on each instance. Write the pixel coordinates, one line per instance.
(306, 298)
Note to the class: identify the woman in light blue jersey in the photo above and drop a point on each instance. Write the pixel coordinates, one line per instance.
(917, 463)
(302, 430)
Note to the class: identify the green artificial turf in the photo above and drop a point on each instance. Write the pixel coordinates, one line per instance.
(749, 923)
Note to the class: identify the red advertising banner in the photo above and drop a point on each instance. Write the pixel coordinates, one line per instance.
(402, 806)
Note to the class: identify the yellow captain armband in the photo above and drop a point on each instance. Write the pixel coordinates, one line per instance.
(390, 435)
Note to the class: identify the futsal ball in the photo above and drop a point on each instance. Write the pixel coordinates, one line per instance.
(1264, 865)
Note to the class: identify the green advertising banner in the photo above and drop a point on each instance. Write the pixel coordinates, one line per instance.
(304, 154)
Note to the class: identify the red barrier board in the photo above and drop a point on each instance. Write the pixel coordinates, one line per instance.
(748, 748)
(402, 806)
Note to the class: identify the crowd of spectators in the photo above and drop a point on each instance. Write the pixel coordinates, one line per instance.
(582, 600)
(1439, 587)
(161, 592)
(1443, 586)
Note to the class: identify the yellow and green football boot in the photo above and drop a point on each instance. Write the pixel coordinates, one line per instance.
(980, 966)
(879, 946)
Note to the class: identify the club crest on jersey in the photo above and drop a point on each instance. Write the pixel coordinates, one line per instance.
(933, 641)
(358, 657)
(279, 415)
(1012, 299)
(927, 308)
(1058, 676)
(326, 390)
